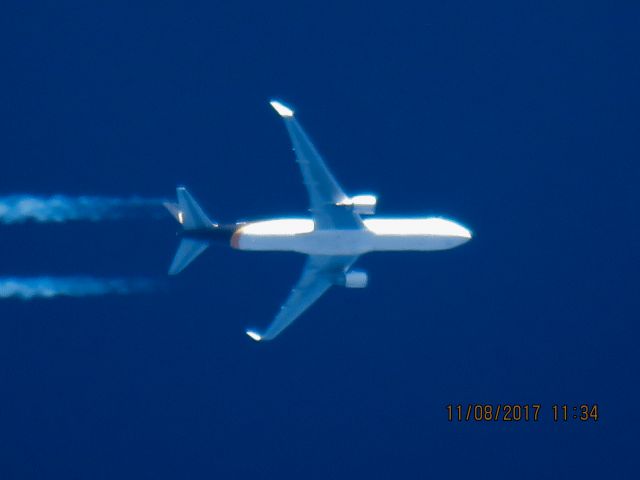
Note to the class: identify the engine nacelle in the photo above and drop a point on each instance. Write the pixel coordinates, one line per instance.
(354, 279)
(362, 204)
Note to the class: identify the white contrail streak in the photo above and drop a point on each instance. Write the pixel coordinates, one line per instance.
(64, 208)
(27, 288)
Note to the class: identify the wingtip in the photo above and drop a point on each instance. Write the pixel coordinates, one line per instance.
(255, 336)
(281, 108)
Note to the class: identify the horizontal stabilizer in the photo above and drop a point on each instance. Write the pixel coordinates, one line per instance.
(189, 214)
(188, 251)
(174, 210)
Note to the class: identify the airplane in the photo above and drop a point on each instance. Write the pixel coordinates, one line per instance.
(333, 238)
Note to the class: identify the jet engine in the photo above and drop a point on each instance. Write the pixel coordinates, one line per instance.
(362, 204)
(354, 279)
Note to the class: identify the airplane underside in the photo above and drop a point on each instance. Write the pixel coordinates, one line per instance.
(380, 235)
(341, 228)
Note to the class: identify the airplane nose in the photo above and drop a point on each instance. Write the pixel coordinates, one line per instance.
(461, 232)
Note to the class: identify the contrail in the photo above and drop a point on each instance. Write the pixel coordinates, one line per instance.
(64, 208)
(27, 288)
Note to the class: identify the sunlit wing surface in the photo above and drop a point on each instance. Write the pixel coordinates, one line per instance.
(324, 192)
(320, 272)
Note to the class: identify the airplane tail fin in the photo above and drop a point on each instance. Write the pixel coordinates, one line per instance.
(191, 216)
(188, 251)
(187, 211)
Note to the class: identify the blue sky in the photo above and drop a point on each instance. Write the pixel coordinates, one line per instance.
(517, 119)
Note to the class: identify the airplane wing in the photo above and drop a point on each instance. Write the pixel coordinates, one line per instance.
(324, 192)
(318, 275)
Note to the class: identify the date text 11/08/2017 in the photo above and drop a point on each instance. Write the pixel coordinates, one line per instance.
(500, 412)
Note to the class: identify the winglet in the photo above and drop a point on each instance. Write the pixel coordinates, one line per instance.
(282, 109)
(253, 335)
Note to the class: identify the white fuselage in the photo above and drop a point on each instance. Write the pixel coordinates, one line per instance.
(379, 234)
